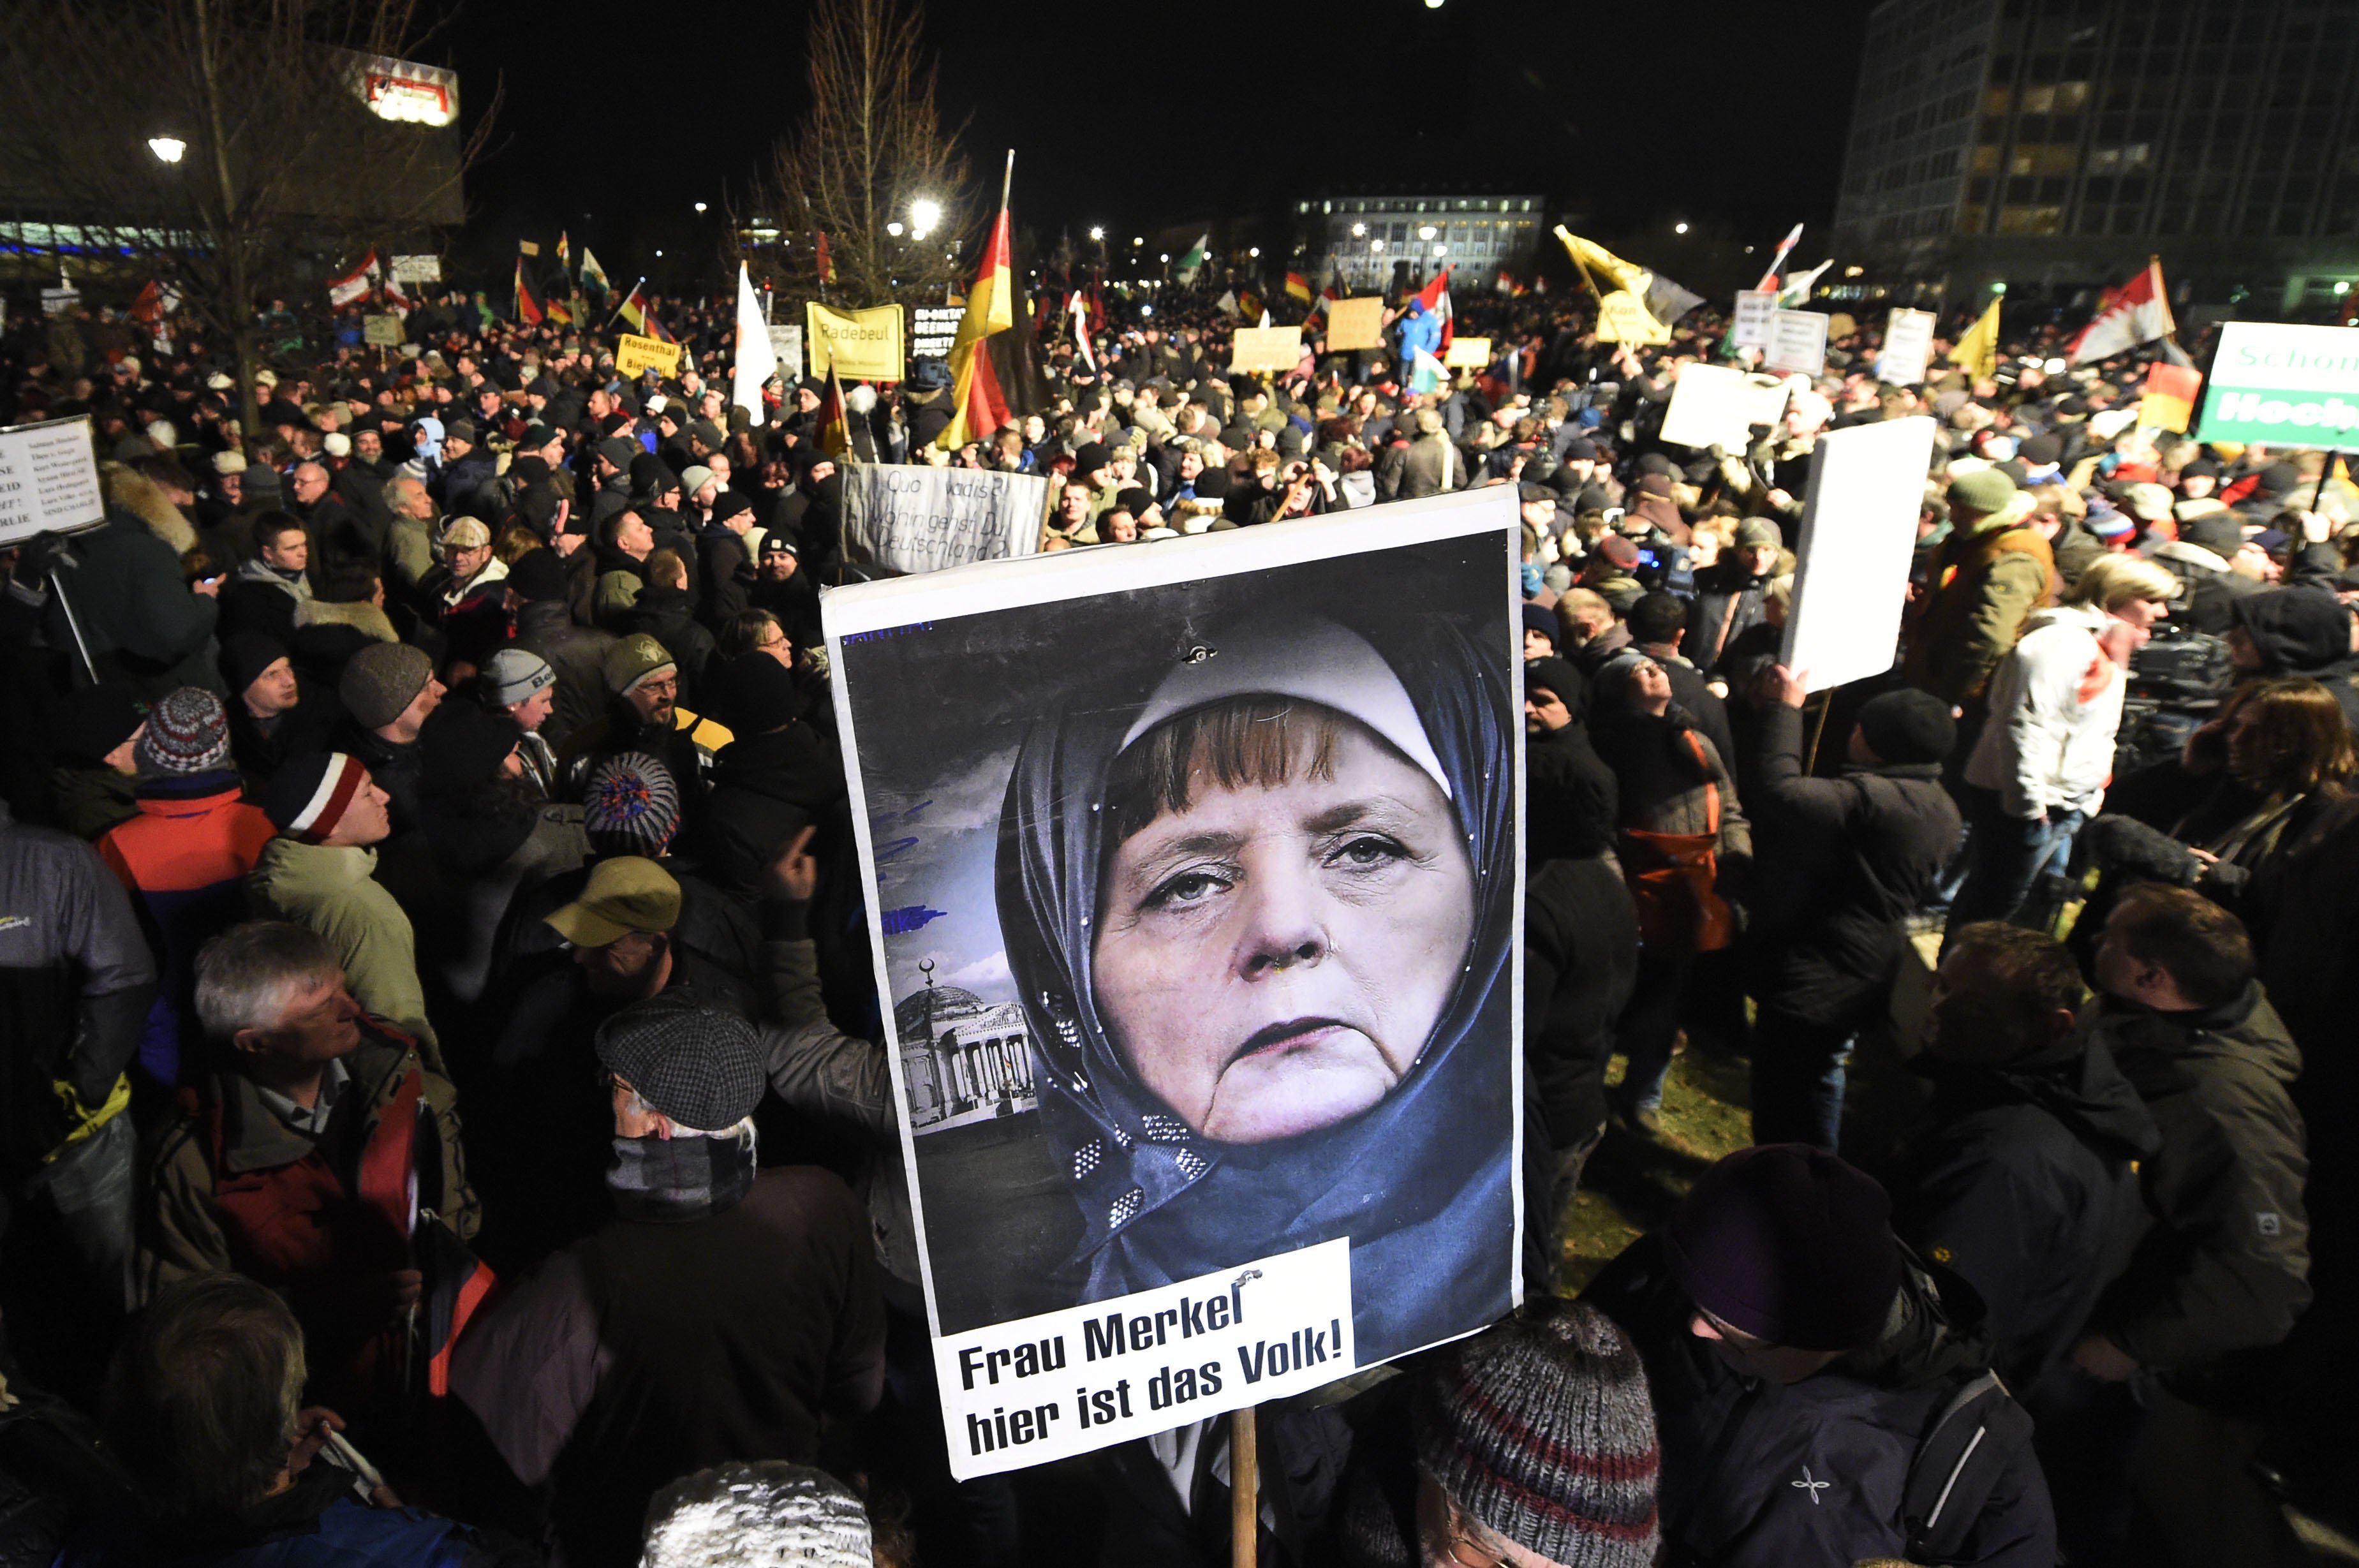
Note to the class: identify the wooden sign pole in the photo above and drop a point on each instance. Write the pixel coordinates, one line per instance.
(1245, 1490)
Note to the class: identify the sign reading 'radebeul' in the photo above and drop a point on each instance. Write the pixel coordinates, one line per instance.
(2285, 385)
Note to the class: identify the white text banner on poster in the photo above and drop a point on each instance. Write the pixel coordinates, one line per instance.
(1907, 345)
(1064, 1383)
(1798, 342)
(1750, 326)
(923, 519)
(49, 480)
(1858, 536)
(1710, 406)
(787, 343)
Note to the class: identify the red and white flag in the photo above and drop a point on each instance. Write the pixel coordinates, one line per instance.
(2138, 312)
(1435, 297)
(354, 285)
(1784, 248)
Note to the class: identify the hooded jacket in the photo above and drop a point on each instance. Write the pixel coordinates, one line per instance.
(2226, 1265)
(329, 889)
(1759, 1475)
(2304, 631)
(2026, 1184)
(1985, 583)
(2054, 704)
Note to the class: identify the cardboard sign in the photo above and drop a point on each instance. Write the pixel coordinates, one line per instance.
(915, 519)
(1711, 406)
(1907, 345)
(787, 343)
(386, 331)
(1622, 318)
(1858, 539)
(635, 355)
(49, 479)
(2283, 386)
(932, 329)
(1468, 354)
(1273, 349)
(1798, 342)
(861, 346)
(417, 269)
(1105, 1255)
(1749, 328)
(1354, 326)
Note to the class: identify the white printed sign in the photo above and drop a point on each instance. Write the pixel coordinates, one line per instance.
(1798, 342)
(787, 343)
(417, 269)
(49, 480)
(1711, 406)
(932, 329)
(912, 518)
(1907, 345)
(1851, 560)
(1750, 326)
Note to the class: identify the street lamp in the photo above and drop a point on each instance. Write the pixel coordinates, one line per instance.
(1375, 246)
(1136, 241)
(1441, 250)
(1359, 231)
(1166, 256)
(699, 206)
(1678, 228)
(168, 150)
(1255, 253)
(1098, 235)
(894, 228)
(924, 213)
(1426, 230)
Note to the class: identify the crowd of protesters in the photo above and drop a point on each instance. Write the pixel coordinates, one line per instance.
(446, 1081)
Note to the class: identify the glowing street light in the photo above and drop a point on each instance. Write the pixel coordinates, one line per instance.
(168, 150)
(1255, 253)
(1678, 228)
(1166, 256)
(1441, 250)
(894, 228)
(699, 206)
(1136, 241)
(1427, 230)
(1098, 235)
(1359, 231)
(924, 213)
(1375, 245)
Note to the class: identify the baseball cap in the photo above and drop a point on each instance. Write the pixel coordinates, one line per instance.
(627, 893)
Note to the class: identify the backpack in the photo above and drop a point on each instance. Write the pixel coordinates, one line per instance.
(1959, 1462)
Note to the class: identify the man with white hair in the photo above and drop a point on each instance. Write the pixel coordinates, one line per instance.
(769, 1512)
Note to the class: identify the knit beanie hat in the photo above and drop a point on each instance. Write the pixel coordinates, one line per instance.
(380, 681)
(1982, 492)
(305, 798)
(630, 805)
(1909, 726)
(1788, 1244)
(514, 674)
(633, 659)
(244, 657)
(688, 1061)
(1542, 1430)
(188, 732)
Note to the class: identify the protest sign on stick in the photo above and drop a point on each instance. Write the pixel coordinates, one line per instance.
(1711, 406)
(1274, 349)
(1127, 1174)
(1355, 324)
(2280, 384)
(634, 355)
(1750, 326)
(913, 518)
(860, 345)
(1858, 539)
(49, 480)
(1468, 354)
(786, 345)
(1798, 342)
(1907, 345)
(383, 332)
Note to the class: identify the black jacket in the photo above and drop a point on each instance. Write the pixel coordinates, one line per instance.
(1765, 1476)
(1841, 864)
(578, 655)
(2025, 1183)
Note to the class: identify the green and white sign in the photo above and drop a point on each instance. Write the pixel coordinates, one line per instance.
(2283, 386)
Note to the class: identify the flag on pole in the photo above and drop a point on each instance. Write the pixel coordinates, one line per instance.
(1635, 289)
(2138, 312)
(1435, 297)
(592, 275)
(826, 263)
(1297, 287)
(1192, 261)
(564, 255)
(1977, 350)
(558, 311)
(527, 309)
(835, 425)
(2168, 403)
(1795, 291)
(149, 308)
(1249, 304)
(978, 407)
(756, 360)
(1784, 248)
(396, 300)
(354, 285)
(1078, 307)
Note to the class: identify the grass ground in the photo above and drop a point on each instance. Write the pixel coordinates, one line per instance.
(1632, 1183)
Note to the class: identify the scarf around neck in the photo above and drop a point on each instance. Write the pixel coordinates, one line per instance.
(670, 1181)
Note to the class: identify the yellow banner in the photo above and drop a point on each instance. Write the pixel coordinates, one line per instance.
(1622, 318)
(1275, 349)
(1353, 324)
(862, 346)
(1468, 354)
(635, 355)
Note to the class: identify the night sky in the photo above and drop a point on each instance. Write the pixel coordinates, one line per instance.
(617, 118)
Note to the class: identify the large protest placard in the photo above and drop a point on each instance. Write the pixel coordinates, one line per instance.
(933, 329)
(1907, 345)
(1711, 406)
(1355, 324)
(1194, 879)
(1273, 349)
(913, 518)
(1798, 342)
(1467, 354)
(2283, 384)
(861, 346)
(49, 479)
(634, 355)
(1749, 328)
(1852, 558)
(425, 267)
(786, 345)
(383, 331)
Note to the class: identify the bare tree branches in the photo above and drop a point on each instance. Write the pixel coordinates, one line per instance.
(872, 149)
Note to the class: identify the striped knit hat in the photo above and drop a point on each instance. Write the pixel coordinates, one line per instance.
(187, 732)
(630, 805)
(305, 796)
(1542, 1430)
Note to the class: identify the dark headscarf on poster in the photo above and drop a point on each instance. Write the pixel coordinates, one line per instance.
(1420, 1183)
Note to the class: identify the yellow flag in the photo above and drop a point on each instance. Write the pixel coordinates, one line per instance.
(1622, 313)
(1603, 264)
(1622, 318)
(1977, 350)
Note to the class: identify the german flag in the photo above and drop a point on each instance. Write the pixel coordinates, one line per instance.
(560, 311)
(1297, 287)
(528, 308)
(835, 425)
(2168, 402)
(978, 407)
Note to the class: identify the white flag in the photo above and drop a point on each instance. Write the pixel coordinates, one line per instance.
(756, 360)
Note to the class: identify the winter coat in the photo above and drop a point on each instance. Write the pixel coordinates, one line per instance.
(2054, 704)
(456, 879)
(1985, 584)
(1843, 863)
(2304, 631)
(315, 1523)
(649, 1351)
(135, 611)
(2226, 1265)
(725, 574)
(259, 600)
(327, 634)
(2025, 1183)
(329, 889)
(1728, 604)
(1758, 1475)
(185, 858)
(1431, 467)
(2212, 590)
(1580, 963)
(578, 655)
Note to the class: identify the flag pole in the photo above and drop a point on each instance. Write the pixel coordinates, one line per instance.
(628, 298)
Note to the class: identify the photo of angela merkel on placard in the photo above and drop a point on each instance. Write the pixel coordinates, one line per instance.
(1256, 887)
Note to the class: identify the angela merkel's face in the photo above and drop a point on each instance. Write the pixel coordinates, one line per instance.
(1272, 961)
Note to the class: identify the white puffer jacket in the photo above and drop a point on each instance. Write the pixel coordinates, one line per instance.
(2055, 703)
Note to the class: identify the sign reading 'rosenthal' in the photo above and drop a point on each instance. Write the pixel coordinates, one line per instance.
(2285, 385)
